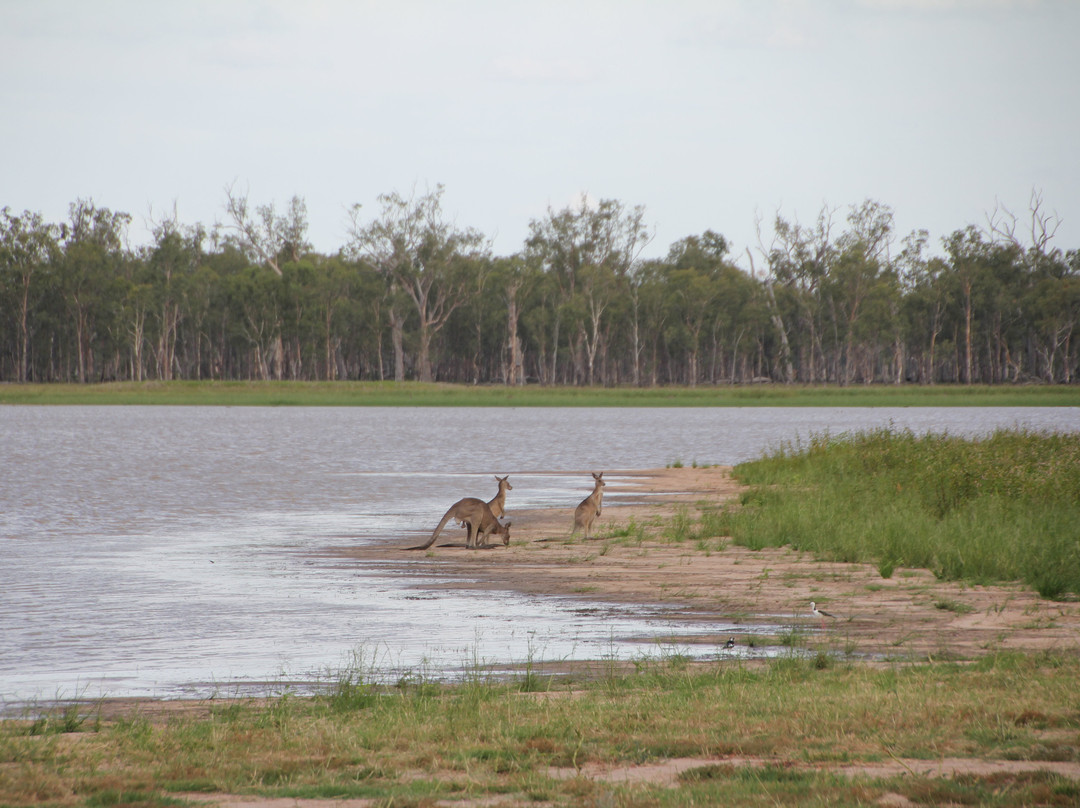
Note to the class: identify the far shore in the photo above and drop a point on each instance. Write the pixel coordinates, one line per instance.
(416, 394)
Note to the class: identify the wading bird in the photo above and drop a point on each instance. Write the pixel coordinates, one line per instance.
(820, 614)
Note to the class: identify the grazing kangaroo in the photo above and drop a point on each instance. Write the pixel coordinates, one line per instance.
(589, 509)
(498, 504)
(477, 517)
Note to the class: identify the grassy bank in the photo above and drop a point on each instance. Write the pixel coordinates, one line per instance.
(793, 723)
(349, 394)
(1003, 508)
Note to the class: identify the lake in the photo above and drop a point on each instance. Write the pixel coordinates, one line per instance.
(177, 551)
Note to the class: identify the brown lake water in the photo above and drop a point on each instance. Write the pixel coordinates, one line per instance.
(173, 551)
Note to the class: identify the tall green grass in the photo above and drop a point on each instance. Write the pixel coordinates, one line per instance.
(1003, 508)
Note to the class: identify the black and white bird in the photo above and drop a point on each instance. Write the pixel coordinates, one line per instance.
(730, 642)
(814, 610)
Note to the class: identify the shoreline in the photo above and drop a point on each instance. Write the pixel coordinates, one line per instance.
(879, 622)
(909, 617)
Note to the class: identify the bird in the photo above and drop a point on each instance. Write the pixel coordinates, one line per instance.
(730, 642)
(820, 614)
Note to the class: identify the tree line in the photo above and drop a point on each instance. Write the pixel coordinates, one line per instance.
(411, 295)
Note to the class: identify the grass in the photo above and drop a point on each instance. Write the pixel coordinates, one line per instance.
(1004, 508)
(394, 394)
(491, 740)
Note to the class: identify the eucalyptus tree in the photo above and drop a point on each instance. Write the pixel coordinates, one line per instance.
(265, 235)
(256, 303)
(94, 248)
(538, 303)
(1053, 307)
(1050, 301)
(692, 291)
(201, 294)
(514, 276)
(861, 271)
(800, 258)
(333, 285)
(978, 271)
(649, 324)
(776, 313)
(174, 257)
(599, 286)
(216, 288)
(28, 246)
(270, 239)
(922, 307)
(740, 316)
(423, 254)
(583, 248)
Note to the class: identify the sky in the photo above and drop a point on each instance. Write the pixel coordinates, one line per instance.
(711, 114)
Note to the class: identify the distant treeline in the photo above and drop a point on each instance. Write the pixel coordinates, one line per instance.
(412, 295)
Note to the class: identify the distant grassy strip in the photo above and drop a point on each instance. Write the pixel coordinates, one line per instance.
(409, 394)
(491, 742)
(1004, 508)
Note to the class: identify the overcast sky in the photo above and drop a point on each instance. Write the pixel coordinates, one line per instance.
(710, 114)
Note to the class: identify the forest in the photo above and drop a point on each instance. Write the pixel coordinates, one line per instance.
(411, 295)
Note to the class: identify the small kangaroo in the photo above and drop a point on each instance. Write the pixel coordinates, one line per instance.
(477, 517)
(498, 504)
(589, 509)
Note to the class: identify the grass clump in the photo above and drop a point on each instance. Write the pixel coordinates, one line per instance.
(1002, 508)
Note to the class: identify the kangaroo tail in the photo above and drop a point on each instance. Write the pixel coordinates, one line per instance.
(435, 535)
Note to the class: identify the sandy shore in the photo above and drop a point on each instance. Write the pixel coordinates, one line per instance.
(909, 615)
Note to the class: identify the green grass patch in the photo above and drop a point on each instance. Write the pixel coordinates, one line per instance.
(401, 394)
(1004, 508)
(487, 740)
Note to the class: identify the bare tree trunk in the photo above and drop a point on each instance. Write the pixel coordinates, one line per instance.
(331, 367)
(423, 355)
(778, 323)
(516, 372)
(397, 325)
(555, 351)
(24, 331)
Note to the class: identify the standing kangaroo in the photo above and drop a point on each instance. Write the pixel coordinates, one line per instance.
(589, 509)
(498, 503)
(477, 517)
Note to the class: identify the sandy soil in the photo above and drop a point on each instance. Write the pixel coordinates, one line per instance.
(908, 616)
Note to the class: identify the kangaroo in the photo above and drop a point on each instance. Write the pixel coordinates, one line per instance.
(477, 516)
(589, 509)
(498, 503)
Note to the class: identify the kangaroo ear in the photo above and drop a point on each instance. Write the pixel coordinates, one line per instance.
(507, 525)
